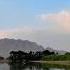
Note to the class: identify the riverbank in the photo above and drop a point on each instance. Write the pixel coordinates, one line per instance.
(53, 62)
(45, 62)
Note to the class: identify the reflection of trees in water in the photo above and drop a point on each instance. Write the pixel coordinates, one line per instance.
(17, 66)
(35, 66)
(30, 66)
(55, 67)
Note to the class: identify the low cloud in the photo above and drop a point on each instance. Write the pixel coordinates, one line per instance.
(15, 33)
(3, 34)
(62, 19)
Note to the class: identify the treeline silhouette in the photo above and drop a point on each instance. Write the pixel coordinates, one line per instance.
(21, 56)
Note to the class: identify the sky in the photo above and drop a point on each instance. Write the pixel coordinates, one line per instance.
(46, 22)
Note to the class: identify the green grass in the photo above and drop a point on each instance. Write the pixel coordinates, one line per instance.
(56, 57)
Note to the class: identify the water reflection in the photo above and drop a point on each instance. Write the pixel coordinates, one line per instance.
(35, 66)
(30, 66)
(17, 66)
(4, 66)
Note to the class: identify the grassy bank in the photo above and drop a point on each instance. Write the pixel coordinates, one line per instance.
(54, 62)
(56, 58)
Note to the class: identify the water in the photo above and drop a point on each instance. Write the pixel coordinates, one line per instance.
(32, 66)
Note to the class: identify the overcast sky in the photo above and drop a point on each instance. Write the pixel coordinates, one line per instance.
(46, 22)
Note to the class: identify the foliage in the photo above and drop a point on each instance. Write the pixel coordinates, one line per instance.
(46, 55)
(56, 57)
(20, 56)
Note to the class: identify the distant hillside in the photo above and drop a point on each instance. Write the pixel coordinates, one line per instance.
(60, 52)
(6, 45)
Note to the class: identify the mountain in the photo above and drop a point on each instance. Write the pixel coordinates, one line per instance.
(7, 45)
(60, 52)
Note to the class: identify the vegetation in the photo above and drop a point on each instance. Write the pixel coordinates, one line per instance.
(56, 57)
(21, 56)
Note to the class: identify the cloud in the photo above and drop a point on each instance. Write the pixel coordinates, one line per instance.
(62, 19)
(3, 33)
(16, 32)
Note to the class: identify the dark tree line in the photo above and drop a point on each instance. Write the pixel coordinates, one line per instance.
(21, 56)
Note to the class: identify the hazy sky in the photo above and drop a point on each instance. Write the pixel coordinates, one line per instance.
(46, 22)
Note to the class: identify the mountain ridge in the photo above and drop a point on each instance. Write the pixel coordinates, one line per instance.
(7, 45)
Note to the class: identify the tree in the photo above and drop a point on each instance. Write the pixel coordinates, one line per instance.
(46, 52)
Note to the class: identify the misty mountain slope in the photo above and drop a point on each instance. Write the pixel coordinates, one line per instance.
(60, 52)
(7, 45)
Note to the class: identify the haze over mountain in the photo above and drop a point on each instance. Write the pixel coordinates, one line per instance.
(7, 45)
(60, 52)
